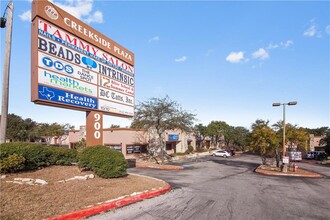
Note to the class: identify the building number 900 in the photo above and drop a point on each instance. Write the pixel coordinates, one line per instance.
(97, 126)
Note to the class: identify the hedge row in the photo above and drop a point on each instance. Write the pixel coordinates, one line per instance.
(19, 156)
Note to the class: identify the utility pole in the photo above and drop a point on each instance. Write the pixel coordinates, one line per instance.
(6, 71)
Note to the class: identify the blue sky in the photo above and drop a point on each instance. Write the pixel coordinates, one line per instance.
(220, 60)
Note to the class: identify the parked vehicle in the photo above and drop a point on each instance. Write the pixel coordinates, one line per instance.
(317, 155)
(321, 156)
(221, 153)
(295, 156)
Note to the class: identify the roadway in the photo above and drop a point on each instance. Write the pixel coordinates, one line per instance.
(218, 188)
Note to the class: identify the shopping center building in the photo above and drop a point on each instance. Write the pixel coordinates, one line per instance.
(132, 142)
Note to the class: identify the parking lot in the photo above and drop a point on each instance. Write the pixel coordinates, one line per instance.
(227, 188)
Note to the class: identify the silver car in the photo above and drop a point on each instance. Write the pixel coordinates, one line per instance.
(221, 153)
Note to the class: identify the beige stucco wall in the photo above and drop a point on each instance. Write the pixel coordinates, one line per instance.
(134, 137)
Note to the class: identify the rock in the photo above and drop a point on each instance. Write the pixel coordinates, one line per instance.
(40, 182)
(3, 177)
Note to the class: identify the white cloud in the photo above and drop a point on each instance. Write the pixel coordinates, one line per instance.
(180, 60)
(272, 46)
(25, 16)
(235, 57)
(156, 38)
(311, 31)
(97, 17)
(286, 44)
(260, 54)
(282, 44)
(81, 9)
(327, 29)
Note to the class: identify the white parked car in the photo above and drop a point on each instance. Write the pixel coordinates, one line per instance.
(221, 153)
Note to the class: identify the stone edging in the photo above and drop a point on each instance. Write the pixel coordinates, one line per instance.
(264, 172)
(115, 203)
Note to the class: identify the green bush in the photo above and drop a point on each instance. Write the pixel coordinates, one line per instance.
(37, 155)
(190, 148)
(62, 156)
(105, 162)
(12, 163)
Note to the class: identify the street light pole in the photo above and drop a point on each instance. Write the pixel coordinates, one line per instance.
(6, 70)
(283, 140)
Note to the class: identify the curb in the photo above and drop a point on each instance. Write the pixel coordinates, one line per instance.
(117, 203)
(165, 167)
(287, 174)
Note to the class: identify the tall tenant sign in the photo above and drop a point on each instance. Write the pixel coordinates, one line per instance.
(76, 67)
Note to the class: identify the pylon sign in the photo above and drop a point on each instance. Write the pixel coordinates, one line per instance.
(76, 67)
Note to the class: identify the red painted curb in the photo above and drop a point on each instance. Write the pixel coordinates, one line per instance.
(296, 175)
(112, 205)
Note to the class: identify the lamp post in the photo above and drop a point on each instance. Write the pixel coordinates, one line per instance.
(6, 69)
(283, 140)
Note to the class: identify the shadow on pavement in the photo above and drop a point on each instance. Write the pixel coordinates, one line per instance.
(236, 163)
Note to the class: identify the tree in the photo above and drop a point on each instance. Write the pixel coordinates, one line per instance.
(322, 131)
(326, 142)
(200, 132)
(295, 137)
(114, 126)
(159, 115)
(219, 129)
(240, 138)
(263, 140)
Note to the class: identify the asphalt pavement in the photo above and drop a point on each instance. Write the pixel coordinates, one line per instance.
(218, 188)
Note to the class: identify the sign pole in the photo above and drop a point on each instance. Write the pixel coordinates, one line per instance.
(94, 128)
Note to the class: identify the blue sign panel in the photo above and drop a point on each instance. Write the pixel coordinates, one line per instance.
(64, 97)
(173, 137)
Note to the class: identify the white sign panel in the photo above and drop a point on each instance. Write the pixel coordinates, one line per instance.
(50, 78)
(66, 68)
(115, 108)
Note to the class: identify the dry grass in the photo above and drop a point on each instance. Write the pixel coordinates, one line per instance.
(270, 170)
(55, 198)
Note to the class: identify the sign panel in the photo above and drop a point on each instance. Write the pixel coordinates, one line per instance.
(173, 137)
(56, 15)
(76, 67)
(51, 63)
(70, 99)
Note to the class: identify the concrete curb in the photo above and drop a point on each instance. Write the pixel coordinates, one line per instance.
(161, 167)
(120, 202)
(264, 172)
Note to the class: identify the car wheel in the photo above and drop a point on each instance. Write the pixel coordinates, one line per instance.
(225, 156)
(213, 155)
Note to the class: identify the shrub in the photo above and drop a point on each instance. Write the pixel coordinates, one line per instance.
(12, 163)
(62, 156)
(37, 155)
(190, 148)
(105, 162)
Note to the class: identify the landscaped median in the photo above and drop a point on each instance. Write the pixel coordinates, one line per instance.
(275, 171)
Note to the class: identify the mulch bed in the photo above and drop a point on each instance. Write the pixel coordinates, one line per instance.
(56, 198)
(276, 171)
